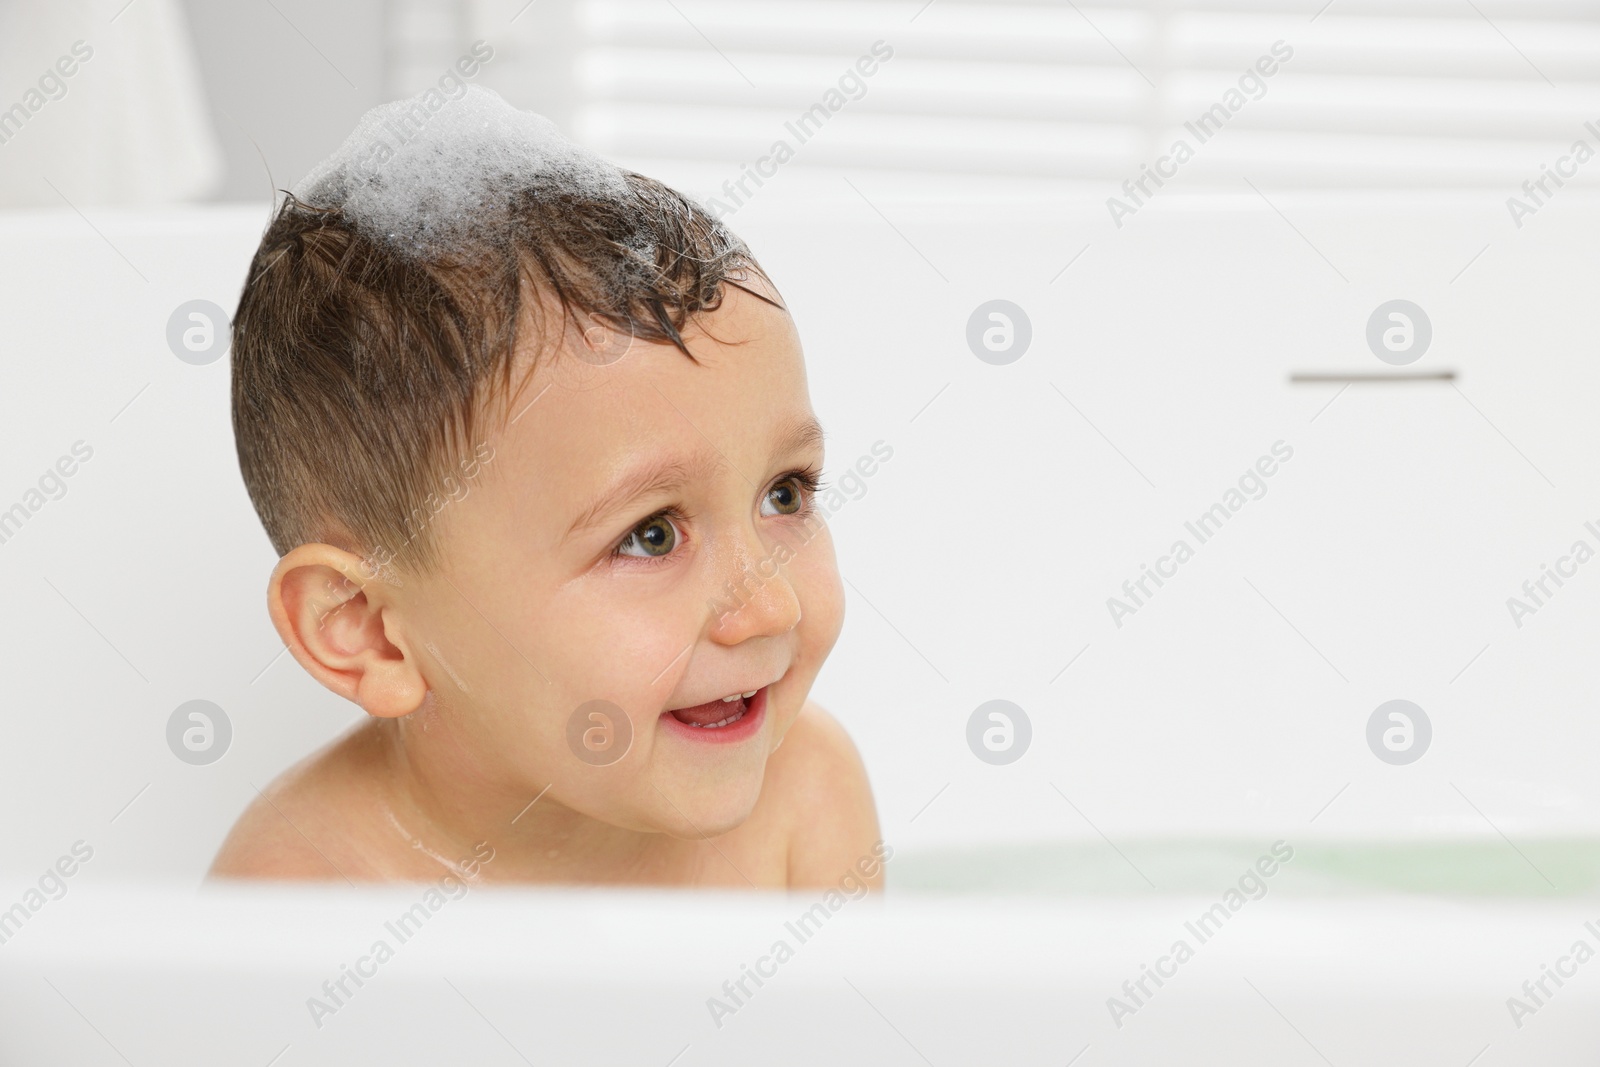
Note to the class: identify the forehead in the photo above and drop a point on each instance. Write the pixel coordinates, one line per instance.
(576, 425)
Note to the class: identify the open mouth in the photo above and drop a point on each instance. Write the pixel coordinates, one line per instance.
(715, 714)
(720, 719)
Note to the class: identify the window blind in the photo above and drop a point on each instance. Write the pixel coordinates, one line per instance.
(1363, 93)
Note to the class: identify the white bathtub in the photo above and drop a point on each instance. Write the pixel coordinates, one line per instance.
(1227, 713)
(625, 978)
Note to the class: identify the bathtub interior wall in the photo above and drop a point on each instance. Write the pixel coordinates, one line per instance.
(1228, 703)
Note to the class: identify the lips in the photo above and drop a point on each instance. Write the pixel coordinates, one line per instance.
(714, 714)
(719, 720)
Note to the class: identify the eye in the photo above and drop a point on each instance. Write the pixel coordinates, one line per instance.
(655, 536)
(789, 495)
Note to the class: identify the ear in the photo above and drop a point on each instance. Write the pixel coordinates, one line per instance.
(342, 624)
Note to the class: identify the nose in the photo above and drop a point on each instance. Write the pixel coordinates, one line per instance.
(754, 600)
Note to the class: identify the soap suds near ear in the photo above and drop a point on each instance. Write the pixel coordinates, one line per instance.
(430, 181)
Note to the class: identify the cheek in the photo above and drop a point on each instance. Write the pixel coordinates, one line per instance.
(814, 573)
(621, 648)
(527, 662)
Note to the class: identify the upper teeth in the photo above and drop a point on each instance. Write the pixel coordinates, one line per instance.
(736, 696)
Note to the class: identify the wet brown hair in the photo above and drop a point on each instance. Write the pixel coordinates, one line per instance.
(361, 370)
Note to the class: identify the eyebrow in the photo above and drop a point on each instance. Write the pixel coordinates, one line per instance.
(801, 435)
(670, 473)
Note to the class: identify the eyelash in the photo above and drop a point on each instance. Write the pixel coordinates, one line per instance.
(809, 480)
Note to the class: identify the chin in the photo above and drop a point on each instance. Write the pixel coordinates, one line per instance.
(700, 809)
(710, 779)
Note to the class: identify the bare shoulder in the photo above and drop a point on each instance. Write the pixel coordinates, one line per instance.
(300, 826)
(821, 786)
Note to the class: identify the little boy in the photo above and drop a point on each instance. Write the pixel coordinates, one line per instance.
(532, 439)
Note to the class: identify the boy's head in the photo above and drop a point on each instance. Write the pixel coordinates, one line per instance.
(532, 438)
